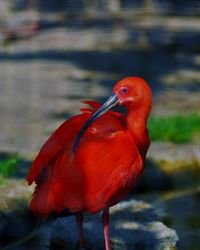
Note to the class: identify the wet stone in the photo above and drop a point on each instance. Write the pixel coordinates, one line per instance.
(3, 223)
(133, 225)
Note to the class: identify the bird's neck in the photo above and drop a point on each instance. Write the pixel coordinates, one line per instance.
(137, 127)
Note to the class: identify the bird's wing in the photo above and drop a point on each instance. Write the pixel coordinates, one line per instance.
(59, 182)
(54, 146)
(63, 138)
(101, 173)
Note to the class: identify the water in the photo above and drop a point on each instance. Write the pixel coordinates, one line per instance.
(178, 207)
(80, 50)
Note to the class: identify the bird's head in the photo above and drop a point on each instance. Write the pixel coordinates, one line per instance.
(131, 92)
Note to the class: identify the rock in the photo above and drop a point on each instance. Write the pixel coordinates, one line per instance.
(171, 152)
(3, 223)
(134, 225)
(15, 193)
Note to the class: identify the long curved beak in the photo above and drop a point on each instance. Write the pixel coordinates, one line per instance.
(110, 103)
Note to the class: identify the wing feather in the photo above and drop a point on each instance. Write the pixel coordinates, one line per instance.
(58, 141)
(90, 179)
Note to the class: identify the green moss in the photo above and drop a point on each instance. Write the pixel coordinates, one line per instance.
(176, 128)
(4, 181)
(179, 166)
(9, 165)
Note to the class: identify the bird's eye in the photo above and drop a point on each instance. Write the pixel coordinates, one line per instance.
(124, 90)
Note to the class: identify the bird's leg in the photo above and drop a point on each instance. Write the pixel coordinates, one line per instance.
(79, 222)
(105, 222)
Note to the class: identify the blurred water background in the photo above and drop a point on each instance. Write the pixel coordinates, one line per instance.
(55, 53)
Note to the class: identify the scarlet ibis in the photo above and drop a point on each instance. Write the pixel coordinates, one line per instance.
(93, 159)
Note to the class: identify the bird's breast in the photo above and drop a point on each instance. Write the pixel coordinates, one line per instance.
(109, 167)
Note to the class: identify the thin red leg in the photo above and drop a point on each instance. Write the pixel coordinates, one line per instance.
(79, 222)
(105, 222)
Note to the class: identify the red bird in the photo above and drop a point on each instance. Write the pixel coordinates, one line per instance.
(93, 159)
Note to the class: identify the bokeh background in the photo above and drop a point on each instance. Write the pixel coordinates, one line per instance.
(55, 53)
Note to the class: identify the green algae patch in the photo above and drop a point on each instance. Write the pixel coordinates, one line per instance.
(177, 128)
(8, 166)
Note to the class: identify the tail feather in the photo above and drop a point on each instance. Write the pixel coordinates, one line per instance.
(43, 200)
(92, 104)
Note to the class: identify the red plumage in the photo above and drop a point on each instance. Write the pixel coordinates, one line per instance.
(108, 160)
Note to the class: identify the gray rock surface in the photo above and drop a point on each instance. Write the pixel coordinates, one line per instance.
(133, 225)
(174, 152)
(3, 223)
